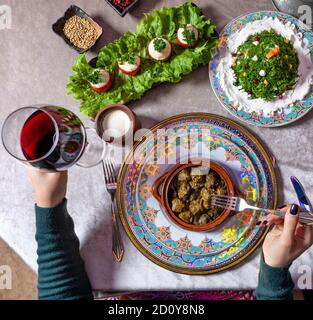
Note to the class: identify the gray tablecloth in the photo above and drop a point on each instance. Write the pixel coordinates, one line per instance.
(34, 67)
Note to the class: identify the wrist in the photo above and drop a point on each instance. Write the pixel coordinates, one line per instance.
(274, 263)
(44, 202)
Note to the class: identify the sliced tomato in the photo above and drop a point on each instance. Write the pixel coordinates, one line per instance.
(184, 45)
(130, 73)
(104, 88)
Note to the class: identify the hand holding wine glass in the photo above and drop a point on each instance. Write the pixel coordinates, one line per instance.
(49, 187)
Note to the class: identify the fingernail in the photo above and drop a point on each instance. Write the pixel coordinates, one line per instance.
(265, 222)
(258, 223)
(283, 206)
(294, 209)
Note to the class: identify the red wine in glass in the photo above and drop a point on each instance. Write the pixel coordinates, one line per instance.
(37, 139)
(52, 138)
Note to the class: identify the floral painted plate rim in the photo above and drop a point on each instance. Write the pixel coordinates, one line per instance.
(297, 111)
(123, 169)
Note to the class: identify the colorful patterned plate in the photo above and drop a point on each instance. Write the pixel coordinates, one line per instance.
(289, 114)
(174, 140)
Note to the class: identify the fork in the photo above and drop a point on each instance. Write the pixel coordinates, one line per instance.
(240, 205)
(110, 177)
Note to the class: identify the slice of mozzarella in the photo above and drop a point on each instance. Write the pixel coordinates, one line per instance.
(129, 67)
(105, 78)
(160, 55)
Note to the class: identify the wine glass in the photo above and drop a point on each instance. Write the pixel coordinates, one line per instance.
(51, 138)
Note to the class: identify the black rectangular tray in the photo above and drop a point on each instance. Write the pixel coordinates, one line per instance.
(58, 26)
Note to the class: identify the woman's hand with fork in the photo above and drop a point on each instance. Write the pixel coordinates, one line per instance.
(287, 240)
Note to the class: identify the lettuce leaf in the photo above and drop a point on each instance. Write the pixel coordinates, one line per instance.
(163, 22)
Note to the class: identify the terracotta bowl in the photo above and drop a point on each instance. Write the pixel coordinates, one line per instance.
(161, 191)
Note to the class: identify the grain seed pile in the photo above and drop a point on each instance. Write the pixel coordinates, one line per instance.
(81, 32)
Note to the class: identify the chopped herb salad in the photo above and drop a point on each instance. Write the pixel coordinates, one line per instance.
(266, 65)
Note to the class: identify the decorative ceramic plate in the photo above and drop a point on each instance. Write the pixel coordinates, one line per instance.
(174, 141)
(289, 113)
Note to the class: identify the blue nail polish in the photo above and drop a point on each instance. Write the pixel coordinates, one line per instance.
(294, 209)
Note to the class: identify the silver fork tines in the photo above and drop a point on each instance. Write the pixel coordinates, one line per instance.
(226, 202)
(109, 173)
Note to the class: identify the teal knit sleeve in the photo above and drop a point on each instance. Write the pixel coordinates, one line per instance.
(274, 283)
(61, 271)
